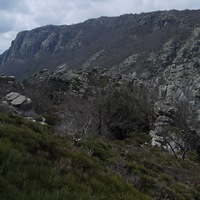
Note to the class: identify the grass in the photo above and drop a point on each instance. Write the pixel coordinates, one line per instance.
(37, 165)
(151, 170)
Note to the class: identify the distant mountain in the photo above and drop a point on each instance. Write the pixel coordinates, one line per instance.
(141, 43)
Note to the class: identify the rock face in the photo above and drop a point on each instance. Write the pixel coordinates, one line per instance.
(145, 44)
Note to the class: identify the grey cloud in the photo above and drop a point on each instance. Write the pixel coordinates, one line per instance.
(6, 22)
(7, 5)
(5, 27)
(12, 5)
(5, 40)
(17, 15)
(172, 4)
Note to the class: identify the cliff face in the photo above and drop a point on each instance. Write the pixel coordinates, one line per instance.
(145, 44)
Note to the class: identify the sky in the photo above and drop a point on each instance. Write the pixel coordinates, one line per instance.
(19, 15)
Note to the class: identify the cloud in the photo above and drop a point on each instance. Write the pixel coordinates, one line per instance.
(9, 4)
(6, 22)
(18, 15)
(5, 39)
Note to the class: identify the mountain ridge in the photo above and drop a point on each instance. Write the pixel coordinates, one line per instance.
(120, 37)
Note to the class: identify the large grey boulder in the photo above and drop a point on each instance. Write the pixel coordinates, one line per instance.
(16, 99)
(11, 96)
(19, 100)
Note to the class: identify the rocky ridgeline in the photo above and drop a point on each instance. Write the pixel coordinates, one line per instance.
(146, 44)
(81, 82)
(159, 49)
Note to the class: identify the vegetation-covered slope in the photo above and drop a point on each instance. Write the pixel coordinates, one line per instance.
(36, 164)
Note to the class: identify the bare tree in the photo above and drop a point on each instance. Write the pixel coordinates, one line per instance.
(184, 119)
(74, 113)
(177, 133)
(40, 98)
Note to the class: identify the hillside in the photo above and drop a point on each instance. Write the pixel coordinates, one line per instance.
(144, 43)
(36, 164)
(104, 109)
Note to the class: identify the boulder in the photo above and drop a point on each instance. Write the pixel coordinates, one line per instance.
(18, 101)
(11, 96)
(164, 108)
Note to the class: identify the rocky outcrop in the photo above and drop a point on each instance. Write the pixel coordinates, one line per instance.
(16, 99)
(7, 83)
(163, 123)
(9, 80)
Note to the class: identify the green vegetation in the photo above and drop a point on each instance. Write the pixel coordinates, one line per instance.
(35, 164)
(151, 170)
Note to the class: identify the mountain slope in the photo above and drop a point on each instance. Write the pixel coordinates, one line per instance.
(113, 79)
(106, 42)
(36, 164)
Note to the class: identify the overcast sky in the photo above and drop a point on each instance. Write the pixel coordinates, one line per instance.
(18, 15)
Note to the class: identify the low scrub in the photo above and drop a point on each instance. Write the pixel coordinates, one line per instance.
(35, 164)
